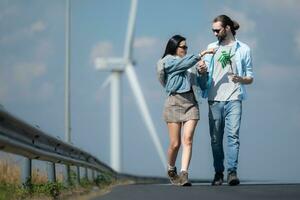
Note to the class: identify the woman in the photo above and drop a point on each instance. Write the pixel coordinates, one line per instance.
(181, 111)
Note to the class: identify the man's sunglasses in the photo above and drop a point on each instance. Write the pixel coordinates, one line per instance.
(183, 47)
(216, 30)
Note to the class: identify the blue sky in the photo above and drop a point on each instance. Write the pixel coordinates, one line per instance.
(32, 76)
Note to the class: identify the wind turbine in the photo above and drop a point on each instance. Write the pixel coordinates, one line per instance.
(121, 65)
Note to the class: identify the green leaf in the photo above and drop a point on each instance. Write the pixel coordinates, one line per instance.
(225, 58)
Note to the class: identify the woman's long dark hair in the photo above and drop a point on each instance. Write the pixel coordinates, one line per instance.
(172, 45)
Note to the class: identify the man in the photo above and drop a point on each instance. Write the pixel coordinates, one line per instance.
(230, 69)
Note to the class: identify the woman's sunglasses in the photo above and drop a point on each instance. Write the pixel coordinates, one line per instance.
(183, 47)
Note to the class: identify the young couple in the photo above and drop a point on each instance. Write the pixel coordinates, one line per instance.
(219, 74)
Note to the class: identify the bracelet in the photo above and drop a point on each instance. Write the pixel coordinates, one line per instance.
(200, 55)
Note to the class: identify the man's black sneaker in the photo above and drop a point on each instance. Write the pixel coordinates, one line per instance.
(232, 179)
(218, 179)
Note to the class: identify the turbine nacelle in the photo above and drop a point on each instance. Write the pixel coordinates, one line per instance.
(112, 64)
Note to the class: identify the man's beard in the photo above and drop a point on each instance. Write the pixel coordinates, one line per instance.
(221, 37)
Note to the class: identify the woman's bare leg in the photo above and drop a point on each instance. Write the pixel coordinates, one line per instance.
(187, 143)
(174, 135)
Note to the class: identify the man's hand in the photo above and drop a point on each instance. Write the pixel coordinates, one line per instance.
(242, 80)
(202, 68)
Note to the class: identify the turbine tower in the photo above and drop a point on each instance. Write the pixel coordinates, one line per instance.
(121, 65)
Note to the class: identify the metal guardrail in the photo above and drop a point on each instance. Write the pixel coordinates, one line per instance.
(19, 137)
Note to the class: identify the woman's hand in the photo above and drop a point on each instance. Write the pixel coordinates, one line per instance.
(208, 51)
(202, 68)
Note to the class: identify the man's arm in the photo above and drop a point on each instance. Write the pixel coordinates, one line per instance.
(248, 79)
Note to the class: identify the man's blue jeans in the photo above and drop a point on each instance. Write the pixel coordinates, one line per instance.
(225, 117)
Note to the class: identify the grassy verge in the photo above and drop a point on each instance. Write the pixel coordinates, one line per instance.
(57, 190)
(39, 187)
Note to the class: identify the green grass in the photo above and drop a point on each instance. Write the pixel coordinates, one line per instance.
(7, 191)
(10, 191)
(51, 189)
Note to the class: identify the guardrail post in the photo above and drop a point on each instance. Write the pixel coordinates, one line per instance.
(93, 175)
(78, 174)
(69, 181)
(27, 171)
(52, 172)
(86, 173)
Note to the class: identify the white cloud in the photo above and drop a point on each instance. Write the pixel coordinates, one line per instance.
(24, 33)
(18, 82)
(38, 26)
(246, 23)
(101, 49)
(25, 73)
(145, 42)
(275, 5)
(18, 77)
(146, 47)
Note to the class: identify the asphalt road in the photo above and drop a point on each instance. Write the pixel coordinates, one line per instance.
(204, 191)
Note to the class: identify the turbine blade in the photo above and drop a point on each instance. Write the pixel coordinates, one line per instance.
(106, 82)
(130, 31)
(137, 91)
(103, 86)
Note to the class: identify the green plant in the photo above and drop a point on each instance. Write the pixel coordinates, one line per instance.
(84, 182)
(28, 186)
(7, 191)
(104, 179)
(72, 178)
(50, 188)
